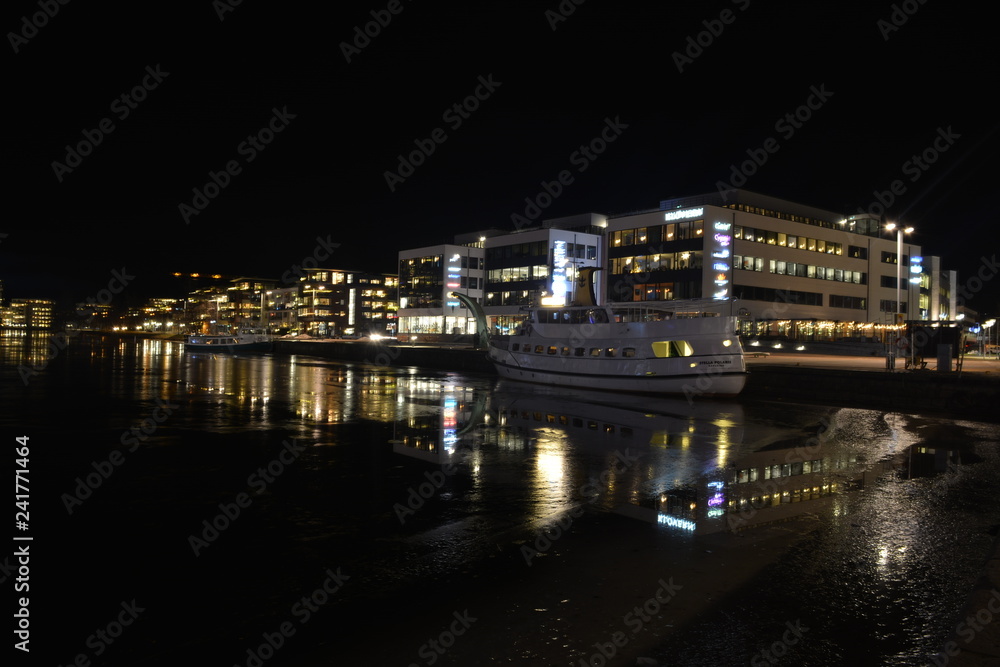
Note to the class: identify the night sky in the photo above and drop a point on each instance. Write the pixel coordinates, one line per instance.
(683, 105)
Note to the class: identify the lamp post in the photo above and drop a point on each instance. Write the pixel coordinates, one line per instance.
(900, 230)
(899, 262)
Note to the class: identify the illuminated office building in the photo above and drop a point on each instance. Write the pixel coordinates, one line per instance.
(427, 277)
(798, 271)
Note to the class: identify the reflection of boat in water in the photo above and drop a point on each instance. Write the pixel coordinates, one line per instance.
(608, 417)
(682, 347)
(246, 340)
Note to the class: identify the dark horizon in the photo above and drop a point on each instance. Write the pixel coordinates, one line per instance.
(299, 125)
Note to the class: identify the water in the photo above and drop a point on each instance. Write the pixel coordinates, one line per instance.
(292, 510)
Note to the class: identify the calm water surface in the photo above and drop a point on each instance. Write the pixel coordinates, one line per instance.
(362, 507)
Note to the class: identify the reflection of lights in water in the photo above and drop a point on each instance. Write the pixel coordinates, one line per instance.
(550, 492)
(551, 467)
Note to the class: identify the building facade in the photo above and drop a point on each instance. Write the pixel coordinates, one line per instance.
(427, 277)
(798, 271)
(539, 265)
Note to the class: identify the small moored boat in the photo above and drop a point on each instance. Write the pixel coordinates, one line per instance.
(246, 340)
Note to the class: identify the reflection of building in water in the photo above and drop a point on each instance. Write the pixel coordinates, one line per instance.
(434, 418)
(633, 446)
(775, 483)
(925, 461)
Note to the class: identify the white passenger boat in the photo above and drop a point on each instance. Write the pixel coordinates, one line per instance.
(246, 340)
(686, 347)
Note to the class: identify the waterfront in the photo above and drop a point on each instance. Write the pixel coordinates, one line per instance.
(369, 510)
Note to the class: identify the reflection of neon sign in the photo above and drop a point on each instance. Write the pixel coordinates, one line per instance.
(716, 499)
(681, 215)
(449, 421)
(675, 522)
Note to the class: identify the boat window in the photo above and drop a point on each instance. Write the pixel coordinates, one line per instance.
(610, 352)
(538, 349)
(597, 316)
(552, 349)
(565, 352)
(595, 351)
(672, 348)
(578, 352)
(628, 352)
(515, 347)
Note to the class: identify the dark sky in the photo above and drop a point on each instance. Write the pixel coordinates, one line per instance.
(888, 94)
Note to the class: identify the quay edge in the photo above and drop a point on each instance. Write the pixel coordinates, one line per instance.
(963, 395)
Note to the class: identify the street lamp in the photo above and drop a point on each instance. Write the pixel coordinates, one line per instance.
(899, 263)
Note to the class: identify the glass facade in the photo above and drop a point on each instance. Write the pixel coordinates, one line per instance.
(421, 282)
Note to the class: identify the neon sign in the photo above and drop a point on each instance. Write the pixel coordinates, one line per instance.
(723, 226)
(682, 215)
(559, 285)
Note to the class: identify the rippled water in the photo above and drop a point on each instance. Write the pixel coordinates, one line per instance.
(430, 490)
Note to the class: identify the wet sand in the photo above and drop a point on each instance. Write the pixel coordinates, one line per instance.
(583, 592)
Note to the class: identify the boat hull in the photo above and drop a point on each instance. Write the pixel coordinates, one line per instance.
(721, 384)
(229, 348)
(686, 351)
